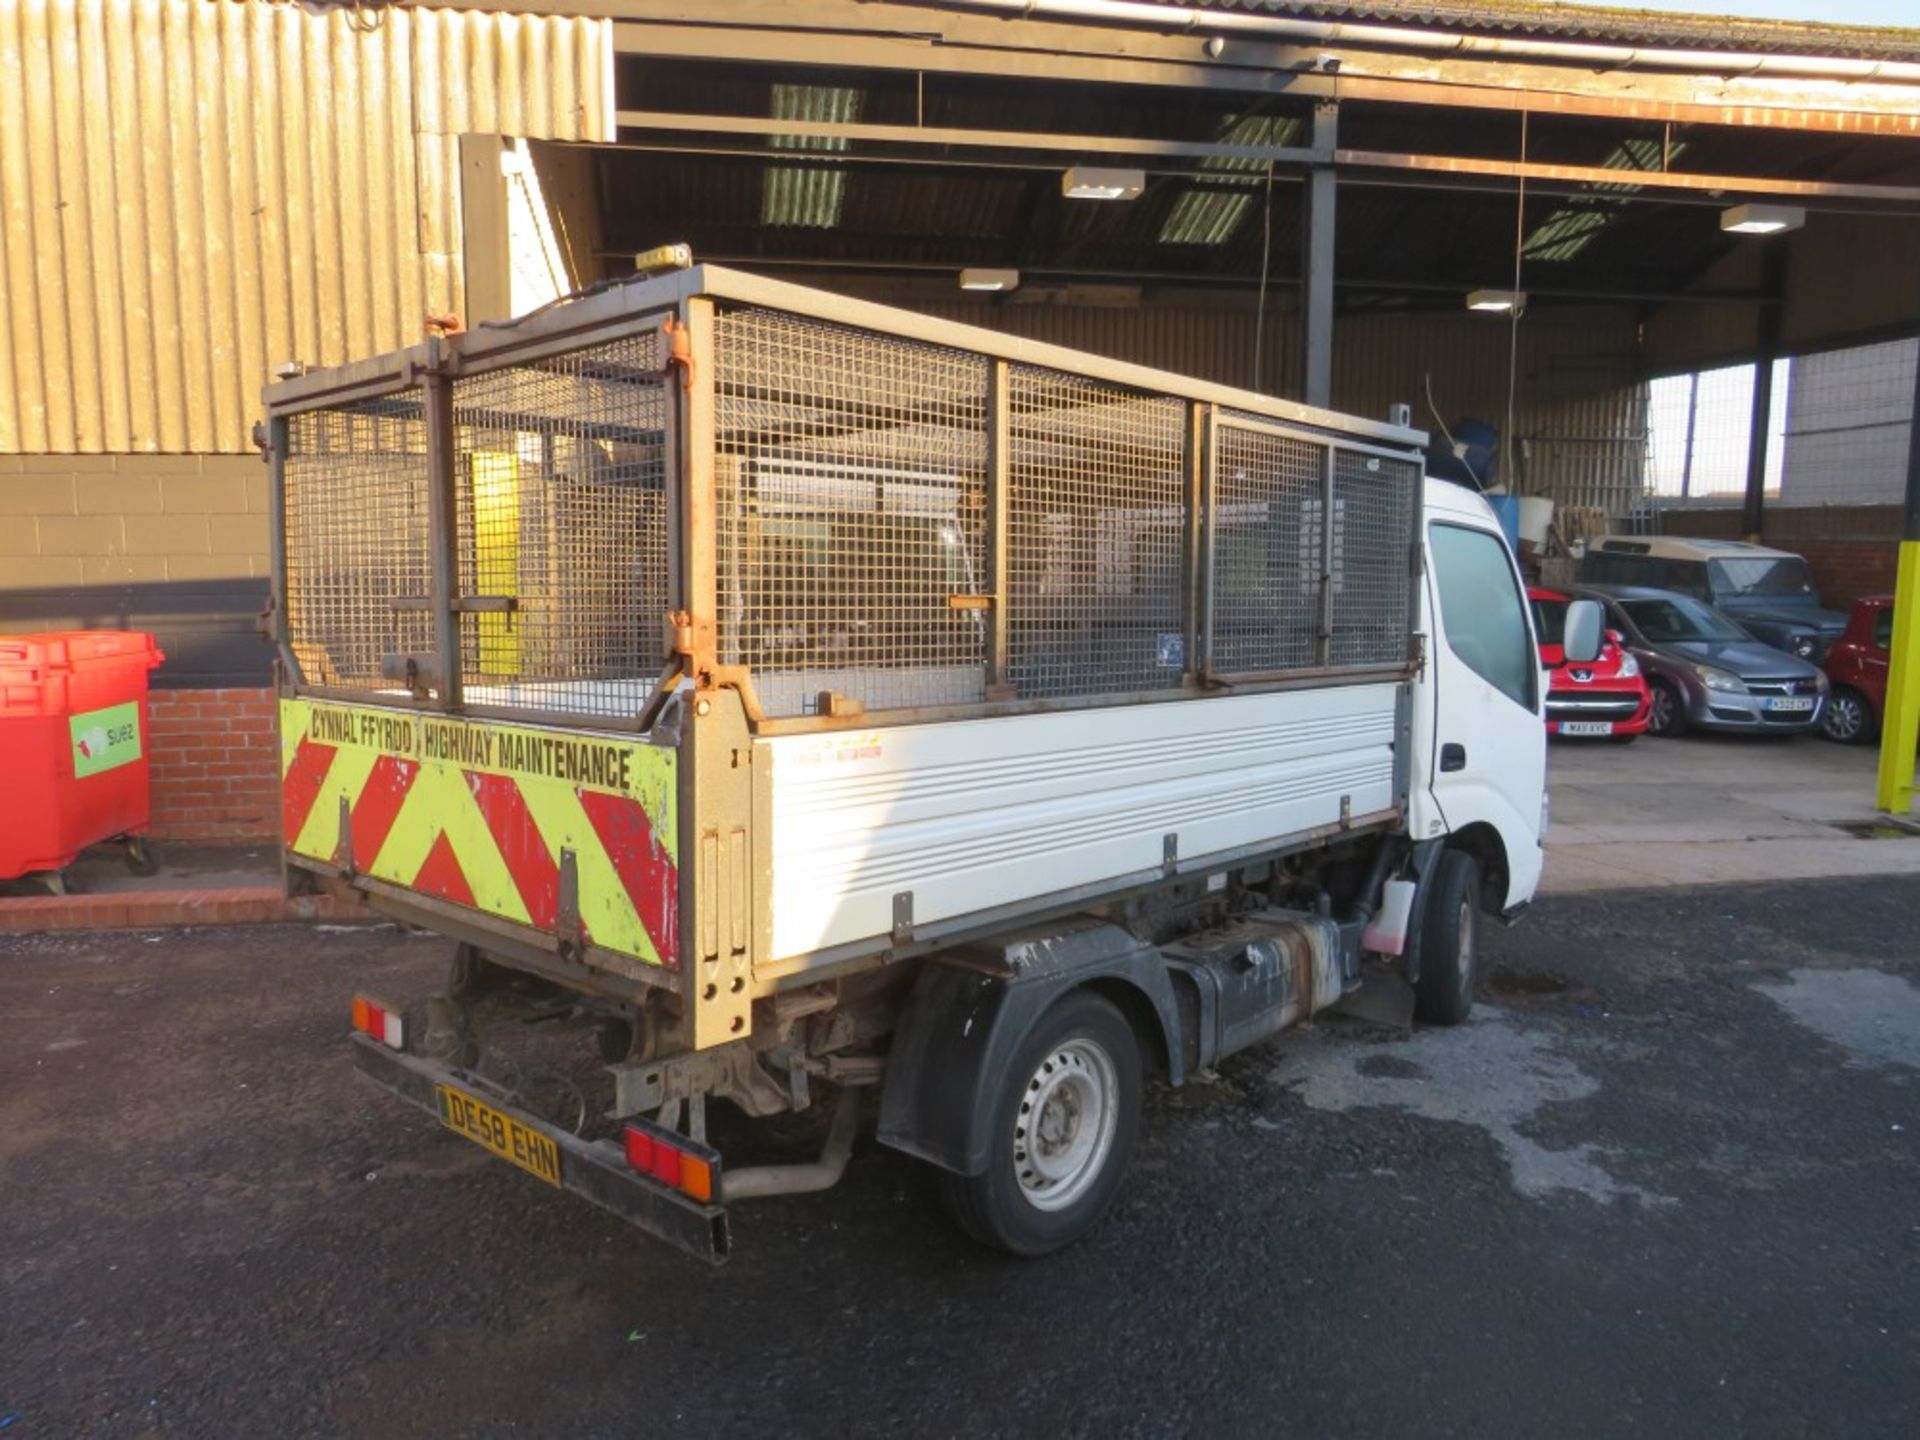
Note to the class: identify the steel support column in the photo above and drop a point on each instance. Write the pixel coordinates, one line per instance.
(1316, 263)
(1760, 420)
(1900, 725)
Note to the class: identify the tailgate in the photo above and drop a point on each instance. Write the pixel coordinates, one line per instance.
(570, 833)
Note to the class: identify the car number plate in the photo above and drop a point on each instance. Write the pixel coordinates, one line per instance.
(500, 1133)
(1792, 705)
(1586, 727)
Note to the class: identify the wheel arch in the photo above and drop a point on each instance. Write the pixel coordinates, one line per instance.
(1483, 842)
(969, 1012)
(1140, 1012)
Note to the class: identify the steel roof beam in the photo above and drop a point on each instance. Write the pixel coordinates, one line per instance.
(1646, 179)
(1276, 154)
(950, 135)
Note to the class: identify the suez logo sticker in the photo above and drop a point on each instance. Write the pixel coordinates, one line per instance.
(105, 739)
(577, 760)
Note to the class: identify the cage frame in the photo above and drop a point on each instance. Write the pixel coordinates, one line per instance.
(680, 308)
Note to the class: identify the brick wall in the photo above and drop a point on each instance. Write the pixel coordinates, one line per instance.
(215, 765)
(1853, 550)
(127, 519)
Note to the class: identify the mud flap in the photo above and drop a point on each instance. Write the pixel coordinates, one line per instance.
(970, 1010)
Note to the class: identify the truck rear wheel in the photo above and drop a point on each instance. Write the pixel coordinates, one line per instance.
(1449, 941)
(1063, 1128)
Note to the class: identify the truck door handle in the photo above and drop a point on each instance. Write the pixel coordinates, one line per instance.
(1453, 757)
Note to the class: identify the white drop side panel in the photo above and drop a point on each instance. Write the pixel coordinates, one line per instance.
(971, 815)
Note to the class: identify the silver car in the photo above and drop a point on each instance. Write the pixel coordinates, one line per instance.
(1706, 672)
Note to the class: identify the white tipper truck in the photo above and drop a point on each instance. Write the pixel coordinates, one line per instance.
(795, 702)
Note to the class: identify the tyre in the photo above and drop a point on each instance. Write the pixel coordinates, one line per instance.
(1668, 714)
(1449, 942)
(1848, 718)
(1063, 1128)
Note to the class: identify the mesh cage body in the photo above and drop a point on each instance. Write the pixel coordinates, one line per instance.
(1373, 502)
(356, 540)
(850, 495)
(854, 476)
(1096, 518)
(1271, 547)
(560, 481)
(1268, 528)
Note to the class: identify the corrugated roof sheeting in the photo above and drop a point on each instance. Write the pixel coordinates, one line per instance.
(1630, 24)
(193, 191)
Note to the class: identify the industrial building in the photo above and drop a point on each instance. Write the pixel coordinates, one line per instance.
(1674, 262)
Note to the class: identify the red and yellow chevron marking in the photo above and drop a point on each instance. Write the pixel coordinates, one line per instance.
(478, 814)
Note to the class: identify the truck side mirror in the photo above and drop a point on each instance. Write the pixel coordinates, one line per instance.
(1582, 643)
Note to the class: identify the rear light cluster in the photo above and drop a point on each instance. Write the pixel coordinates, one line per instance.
(382, 1022)
(651, 1153)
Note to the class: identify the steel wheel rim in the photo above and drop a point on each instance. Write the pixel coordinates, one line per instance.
(1843, 717)
(1063, 1131)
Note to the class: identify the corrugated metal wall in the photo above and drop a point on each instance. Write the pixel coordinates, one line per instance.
(194, 191)
(1577, 405)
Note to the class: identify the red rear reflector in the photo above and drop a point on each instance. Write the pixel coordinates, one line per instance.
(666, 1166)
(659, 1159)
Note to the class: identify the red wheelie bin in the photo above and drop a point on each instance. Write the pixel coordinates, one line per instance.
(73, 748)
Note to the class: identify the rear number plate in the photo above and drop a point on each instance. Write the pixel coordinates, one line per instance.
(1792, 705)
(500, 1133)
(1586, 727)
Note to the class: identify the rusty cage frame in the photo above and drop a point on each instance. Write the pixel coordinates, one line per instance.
(676, 330)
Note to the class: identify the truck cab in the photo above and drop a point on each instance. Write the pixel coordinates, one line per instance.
(1478, 731)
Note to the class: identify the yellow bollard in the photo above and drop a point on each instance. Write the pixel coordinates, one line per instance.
(1900, 730)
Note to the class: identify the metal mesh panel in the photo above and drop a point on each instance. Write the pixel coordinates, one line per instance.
(560, 476)
(850, 486)
(1096, 520)
(1268, 534)
(356, 533)
(1373, 499)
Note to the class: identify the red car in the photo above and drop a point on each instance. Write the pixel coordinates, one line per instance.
(1608, 697)
(1857, 666)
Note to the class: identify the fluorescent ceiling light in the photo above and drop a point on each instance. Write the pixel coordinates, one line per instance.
(1088, 182)
(1762, 219)
(975, 279)
(1497, 302)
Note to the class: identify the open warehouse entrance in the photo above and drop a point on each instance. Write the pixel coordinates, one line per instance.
(1516, 241)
